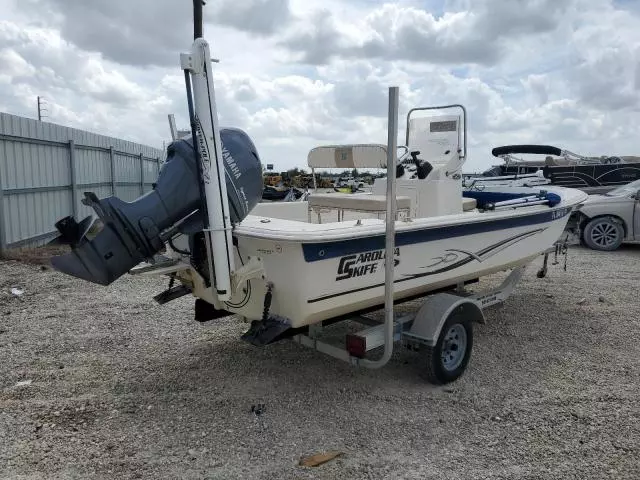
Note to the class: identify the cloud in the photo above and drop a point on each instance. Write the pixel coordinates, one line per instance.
(263, 17)
(477, 35)
(606, 77)
(537, 86)
(14, 65)
(150, 32)
(52, 63)
(559, 72)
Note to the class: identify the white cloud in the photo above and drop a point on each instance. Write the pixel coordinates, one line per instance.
(147, 32)
(478, 34)
(538, 87)
(14, 65)
(295, 74)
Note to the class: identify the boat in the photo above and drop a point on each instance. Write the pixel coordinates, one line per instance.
(284, 267)
(560, 167)
(445, 235)
(277, 193)
(513, 180)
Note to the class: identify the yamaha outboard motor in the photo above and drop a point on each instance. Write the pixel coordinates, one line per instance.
(135, 231)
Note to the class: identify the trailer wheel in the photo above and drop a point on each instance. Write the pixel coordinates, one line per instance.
(448, 359)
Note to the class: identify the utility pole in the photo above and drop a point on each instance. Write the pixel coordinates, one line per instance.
(40, 109)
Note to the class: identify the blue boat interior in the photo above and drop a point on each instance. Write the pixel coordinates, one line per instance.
(484, 198)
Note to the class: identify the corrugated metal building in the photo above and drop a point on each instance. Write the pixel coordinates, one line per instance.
(45, 168)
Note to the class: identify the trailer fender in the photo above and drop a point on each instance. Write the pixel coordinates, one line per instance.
(435, 311)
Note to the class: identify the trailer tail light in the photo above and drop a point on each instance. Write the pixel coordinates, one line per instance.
(356, 345)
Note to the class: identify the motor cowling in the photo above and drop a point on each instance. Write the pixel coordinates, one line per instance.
(135, 231)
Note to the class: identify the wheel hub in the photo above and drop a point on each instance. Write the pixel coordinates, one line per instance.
(604, 234)
(454, 347)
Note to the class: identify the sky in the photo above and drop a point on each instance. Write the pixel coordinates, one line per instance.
(295, 74)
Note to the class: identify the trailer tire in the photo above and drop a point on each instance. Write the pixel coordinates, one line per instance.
(448, 359)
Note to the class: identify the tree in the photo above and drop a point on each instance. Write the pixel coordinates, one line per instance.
(293, 172)
(354, 173)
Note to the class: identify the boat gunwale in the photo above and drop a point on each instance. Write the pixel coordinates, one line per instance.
(348, 230)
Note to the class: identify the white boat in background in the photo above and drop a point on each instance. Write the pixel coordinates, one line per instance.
(515, 180)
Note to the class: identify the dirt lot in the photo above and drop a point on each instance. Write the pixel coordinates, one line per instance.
(103, 383)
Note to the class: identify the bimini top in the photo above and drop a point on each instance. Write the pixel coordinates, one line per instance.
(369, 155)
(531, 149)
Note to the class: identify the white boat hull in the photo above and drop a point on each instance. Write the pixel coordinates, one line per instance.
(329, 270)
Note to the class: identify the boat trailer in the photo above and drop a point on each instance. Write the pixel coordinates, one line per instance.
(440, 330)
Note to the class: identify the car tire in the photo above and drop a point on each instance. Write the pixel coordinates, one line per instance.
(603, 233)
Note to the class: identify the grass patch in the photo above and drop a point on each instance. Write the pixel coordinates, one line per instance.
(41, 255)
(34, 255)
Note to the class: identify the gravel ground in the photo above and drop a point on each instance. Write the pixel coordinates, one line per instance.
(124, 388)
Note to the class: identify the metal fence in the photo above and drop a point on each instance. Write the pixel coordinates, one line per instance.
(45, 168)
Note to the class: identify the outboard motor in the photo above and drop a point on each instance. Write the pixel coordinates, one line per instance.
(135, 231)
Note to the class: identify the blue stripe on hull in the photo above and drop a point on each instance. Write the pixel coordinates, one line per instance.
(477, 256)
(314, 252)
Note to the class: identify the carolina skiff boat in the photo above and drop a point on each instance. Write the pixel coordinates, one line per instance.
(285, 267)
(317, 269)
(444, 236)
